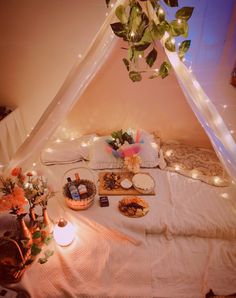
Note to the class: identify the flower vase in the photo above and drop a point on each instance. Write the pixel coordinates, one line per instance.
(33, 220)
(47, 225)
(25, 235)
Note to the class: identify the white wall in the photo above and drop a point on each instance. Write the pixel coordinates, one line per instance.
(39, 42)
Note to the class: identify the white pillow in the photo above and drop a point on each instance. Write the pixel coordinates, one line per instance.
(67, 151)
(101, 159)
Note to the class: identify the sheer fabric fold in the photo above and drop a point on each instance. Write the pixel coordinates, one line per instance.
(84, 71)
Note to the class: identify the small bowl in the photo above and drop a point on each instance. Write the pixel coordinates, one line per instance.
(126, 183)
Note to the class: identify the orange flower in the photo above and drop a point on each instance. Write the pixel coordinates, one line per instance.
(16, 172)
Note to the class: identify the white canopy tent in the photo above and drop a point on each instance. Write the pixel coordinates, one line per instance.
(84, 71)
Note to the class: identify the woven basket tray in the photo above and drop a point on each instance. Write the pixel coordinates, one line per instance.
(91, 188)
(82, 203)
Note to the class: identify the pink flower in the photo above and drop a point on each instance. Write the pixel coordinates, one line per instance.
(16, 172)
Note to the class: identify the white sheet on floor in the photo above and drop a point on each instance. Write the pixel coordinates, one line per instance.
(183, 247)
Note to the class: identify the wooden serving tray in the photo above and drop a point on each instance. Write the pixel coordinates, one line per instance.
(118, 191)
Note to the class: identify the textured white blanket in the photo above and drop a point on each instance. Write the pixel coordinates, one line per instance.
(183, 247)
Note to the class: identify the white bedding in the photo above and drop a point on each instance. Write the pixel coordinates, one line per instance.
(183, 247)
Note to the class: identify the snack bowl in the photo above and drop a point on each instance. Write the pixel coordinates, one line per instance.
(126, 183)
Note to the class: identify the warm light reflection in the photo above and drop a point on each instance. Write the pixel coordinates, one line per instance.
(58, 140)
(34, 164)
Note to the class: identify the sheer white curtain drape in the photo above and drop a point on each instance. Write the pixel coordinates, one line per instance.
(84, 71)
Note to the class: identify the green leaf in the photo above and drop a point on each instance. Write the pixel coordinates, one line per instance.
(141, 46)
(164, 69)
(119, 30)
(135, 76)
(147, 37)
(184, 47)
(184, 13)
(36, 235)
(42, 260)
(169, 45)
(126, 63)
(134, 17)
(48, 253)
(151, 57)
(48, 239)
(179, 28)
(35, 250)
(166, 26)
(121, 15)
(158, 30)
(172, 3)
(161, 15)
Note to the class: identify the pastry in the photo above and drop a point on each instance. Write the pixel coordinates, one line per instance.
(133, 206)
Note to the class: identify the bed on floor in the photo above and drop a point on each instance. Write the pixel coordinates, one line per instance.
(183, 247)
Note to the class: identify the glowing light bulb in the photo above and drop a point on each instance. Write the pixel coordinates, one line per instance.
(179, 21)
(83, 144)
(217, 180)
(49, 150)
(177, 168)
(154, 145)
(64, 232)
(195, 174)
(132, 34)
(140, 56)
(34, 164)
(172, 41)
(161, 11)
(225, 195)
(169, 152)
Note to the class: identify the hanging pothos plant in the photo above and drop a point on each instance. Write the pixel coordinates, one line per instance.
(141, 24)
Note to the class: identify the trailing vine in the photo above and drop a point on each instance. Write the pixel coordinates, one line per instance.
(141, 24)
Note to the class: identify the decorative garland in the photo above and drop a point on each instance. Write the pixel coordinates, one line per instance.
(141, 24)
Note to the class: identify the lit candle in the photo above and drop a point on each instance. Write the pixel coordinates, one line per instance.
(64, 232)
